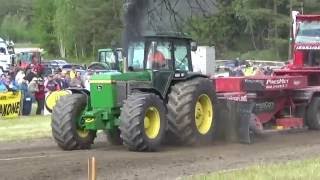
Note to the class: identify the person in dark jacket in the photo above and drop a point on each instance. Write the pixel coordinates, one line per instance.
(30, 74)
(40, 96)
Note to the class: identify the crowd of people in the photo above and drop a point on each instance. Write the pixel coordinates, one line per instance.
(245, 68)
(34, 85)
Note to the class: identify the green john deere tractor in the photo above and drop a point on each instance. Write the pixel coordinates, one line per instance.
(157, 97)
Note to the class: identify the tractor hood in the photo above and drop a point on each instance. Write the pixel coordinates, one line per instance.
(113, 78)
(108, 91)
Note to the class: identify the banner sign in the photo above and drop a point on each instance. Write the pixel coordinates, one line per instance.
(10, 104)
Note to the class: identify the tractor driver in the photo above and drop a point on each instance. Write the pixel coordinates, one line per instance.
(156, 58)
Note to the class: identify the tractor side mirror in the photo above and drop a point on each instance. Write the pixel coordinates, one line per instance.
(194, 46)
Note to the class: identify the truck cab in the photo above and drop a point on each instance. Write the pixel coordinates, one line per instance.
(25, 56)
(6, 54)
(306, 42)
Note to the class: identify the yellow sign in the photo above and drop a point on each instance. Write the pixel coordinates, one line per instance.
(53, 97)
(10, 104)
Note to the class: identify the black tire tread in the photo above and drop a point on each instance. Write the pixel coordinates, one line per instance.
(62, 124)
(179, 106)
(312, 112)
(131, 126)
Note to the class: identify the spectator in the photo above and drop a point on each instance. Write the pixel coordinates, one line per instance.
(77, 81)
(3, 78)
(1, 70)
(23, 86)
(57, 78)
(40, 95)
(20, 77)
(11, 84)
(37, 66)
(65, 80)
(33, 87)
(259, 71)
(236, 71)
(51, 84)
(73, 73)
(3, 87)
(268, 71)
(30, 74)
(249, 70)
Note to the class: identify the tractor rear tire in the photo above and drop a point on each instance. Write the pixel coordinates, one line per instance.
(313, 114)
(113, 137)
(64, 122)
(191, 112)
(142, 122)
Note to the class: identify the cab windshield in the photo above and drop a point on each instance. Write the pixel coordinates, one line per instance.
(26, 57)
(158, 55)
(308, 32)
(136, 56)
(107, 57)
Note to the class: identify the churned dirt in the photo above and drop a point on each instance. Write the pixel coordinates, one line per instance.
(42, 159)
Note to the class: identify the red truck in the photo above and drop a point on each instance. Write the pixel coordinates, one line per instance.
(25, 56)
(289, 99)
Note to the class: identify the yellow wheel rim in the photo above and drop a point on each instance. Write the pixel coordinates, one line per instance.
(204, 114)
(152, 122)
(83, 133)
(53, 98)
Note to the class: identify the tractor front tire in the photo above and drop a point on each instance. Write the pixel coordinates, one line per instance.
(142, 122)
(191, 112)
(313, 114)
(65, 118)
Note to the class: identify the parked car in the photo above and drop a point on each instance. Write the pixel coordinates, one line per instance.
(76, 66)
(59, 62)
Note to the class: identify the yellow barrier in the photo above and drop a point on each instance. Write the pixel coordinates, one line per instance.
(10, 104)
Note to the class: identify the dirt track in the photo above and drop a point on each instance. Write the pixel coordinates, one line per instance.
(41, 159)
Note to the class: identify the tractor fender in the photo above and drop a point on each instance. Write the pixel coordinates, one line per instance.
(53, 97)
(148, 90)
(79, 91)
(190, 76)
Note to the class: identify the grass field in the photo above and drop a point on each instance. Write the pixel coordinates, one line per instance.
(293, 170)
(22, 128)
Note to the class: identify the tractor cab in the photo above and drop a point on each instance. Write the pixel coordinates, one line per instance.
(108, 60)
(154, 53)
(28, 56)
(166, 58)
(112, 57)
(306, 44)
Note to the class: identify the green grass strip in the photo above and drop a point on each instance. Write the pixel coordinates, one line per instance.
(22, 128)
(292, 170)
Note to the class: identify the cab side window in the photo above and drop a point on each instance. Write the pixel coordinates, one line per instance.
(181, 56)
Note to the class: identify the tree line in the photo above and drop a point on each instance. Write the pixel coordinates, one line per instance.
(78, 28)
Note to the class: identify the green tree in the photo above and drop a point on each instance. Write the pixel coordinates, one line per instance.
(44, 14)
